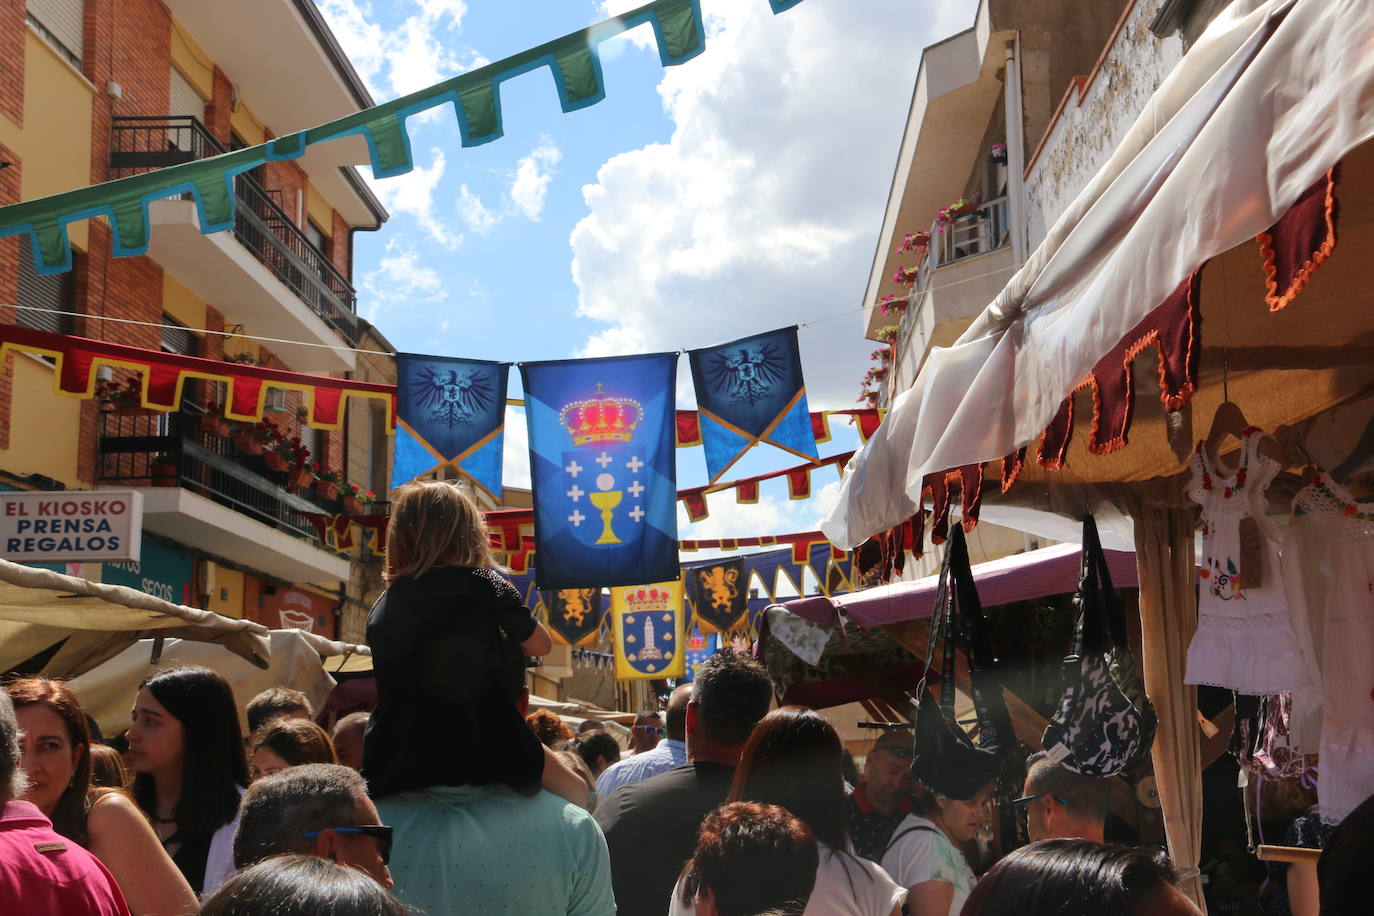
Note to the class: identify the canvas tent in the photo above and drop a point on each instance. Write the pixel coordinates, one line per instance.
(1244, 132)
(107, 692)
(62, 626)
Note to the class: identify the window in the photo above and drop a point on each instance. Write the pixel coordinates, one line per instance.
(61, 23)
(176, 337)
(184, 102)
(43, 291)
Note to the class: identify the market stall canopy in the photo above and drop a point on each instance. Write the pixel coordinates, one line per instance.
(1250, 123)
(63, 626)
(1022, 577)
(107, 692)
(574, 711)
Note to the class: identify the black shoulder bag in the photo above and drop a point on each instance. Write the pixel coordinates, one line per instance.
(945, 759)
(1105, 723)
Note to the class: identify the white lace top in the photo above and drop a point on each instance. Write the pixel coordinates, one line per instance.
(1245, 639)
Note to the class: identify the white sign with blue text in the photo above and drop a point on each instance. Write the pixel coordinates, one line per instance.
(71, 526)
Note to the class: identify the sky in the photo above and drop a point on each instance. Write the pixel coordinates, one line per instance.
(739, 192)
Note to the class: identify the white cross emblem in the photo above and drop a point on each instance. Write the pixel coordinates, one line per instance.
(603, 459)
(577, 518)
(576, 493)
(637, 514)
(573, 469)
(635, 489)
(634, 464)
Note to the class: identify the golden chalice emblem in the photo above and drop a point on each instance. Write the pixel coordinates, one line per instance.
(606, 500)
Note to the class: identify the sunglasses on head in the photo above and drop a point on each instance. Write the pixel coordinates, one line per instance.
(650, 729)
(898, 750)
(380, 832)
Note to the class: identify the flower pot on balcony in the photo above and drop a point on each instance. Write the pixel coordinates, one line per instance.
(275, 461)
(248, 443)
(352, 505)
(326, 489)
(212, 425)
(300, 478)
(163, 474)
(965, 210)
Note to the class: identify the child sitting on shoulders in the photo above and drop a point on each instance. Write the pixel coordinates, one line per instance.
(443, 716)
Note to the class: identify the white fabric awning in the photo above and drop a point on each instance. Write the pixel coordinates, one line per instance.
(107, 692)
(1272, 96)
(71, 625)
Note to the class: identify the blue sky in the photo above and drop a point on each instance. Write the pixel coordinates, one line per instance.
(739, 192)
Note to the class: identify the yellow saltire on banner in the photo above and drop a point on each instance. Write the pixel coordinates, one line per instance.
(649, 624)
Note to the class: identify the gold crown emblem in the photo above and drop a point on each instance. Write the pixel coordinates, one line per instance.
(647, 596)
(602, 419)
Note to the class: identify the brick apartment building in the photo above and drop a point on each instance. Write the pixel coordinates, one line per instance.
(94, 90)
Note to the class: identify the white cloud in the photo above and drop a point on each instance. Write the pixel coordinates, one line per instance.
(478, 217)
(515, 465)
(401, 278)
(527, 184)
(413, 194)
(417, 52)
(532, 176)
(764, 206)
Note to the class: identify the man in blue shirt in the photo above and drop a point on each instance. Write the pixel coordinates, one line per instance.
(670, 752)
(485, 849)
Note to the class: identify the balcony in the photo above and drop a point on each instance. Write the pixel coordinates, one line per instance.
(269, 277)
(966, 267)
(200, 490)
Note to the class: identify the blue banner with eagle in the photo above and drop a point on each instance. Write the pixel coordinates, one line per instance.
(450, 412)
(750, 391)
(602, 467)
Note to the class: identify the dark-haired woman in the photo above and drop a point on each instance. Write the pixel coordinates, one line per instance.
(1080, 878)
(186, 751)
(794, 759)
(296, 885)
(57, 763)
(284, 743)
(923, 855)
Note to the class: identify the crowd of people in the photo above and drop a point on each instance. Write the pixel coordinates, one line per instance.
(450, 797)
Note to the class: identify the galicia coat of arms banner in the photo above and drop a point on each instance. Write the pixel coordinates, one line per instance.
(700, 647)
(602, 468)
(749, 391)
(648, 622)
(574, 615)
(720, 594)
(450, 412)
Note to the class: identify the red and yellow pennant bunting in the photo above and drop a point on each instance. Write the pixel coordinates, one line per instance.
(165, 376)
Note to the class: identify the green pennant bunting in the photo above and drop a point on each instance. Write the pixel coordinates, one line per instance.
(573, 60)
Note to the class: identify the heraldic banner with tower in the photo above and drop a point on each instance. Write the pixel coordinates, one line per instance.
(602, 466)
(648, 631)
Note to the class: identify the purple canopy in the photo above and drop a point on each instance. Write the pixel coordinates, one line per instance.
(1021, 577)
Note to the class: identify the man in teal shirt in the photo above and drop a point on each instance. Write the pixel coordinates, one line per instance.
(486, 849)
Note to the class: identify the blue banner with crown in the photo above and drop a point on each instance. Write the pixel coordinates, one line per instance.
(750, 391)
(450, 412)
(602, 467)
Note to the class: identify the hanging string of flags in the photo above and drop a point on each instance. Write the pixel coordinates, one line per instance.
(573, 60)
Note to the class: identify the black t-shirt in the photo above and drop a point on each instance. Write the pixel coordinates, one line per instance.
(651, 829)
(445, 715)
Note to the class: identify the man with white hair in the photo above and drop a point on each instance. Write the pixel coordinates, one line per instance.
(42, 871)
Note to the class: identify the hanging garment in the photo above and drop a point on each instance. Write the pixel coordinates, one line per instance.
(1245, 638)
(1347, 552)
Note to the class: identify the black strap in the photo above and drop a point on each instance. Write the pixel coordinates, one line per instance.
(1101, 623)
(893, 842)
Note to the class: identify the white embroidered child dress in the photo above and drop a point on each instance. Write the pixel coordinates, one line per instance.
(1245, 639)
(1341, 533)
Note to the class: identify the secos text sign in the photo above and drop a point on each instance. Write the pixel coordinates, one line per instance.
(71, 526)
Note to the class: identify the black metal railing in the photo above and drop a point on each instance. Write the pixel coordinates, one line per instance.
(181, 449)
(261, 225)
